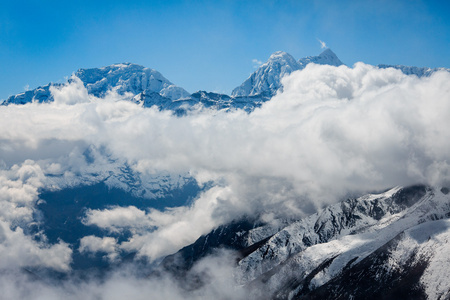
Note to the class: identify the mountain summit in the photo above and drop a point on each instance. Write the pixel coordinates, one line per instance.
(124, 78)
(268, 76)
(327, 57)
(129, 78)
(267, 79)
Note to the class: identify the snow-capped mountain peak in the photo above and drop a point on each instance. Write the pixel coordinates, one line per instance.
(267, 77)
(128, 77)
(327, 57)
(282, 58)
(122, 78)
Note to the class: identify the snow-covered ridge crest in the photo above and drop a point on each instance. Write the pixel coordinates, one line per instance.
(126, 79)
(387, 231)
(391, 243)
(131, 78)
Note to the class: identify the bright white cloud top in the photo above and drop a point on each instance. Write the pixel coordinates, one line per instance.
(331, 131)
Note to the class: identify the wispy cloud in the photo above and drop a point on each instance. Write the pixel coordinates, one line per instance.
(256, 63)
(323, 45)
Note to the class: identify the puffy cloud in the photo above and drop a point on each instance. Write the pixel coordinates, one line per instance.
(19, 250)
(71, 94)
(181, 226)
(331, 131)
(93, 244)
(119, 218)
(216, 271)
(19, 188)
(172, 228)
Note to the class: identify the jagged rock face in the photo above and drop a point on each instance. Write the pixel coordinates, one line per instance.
(412, 265)
(392, 245)
(352, 239)
(400, 282)
(349, 217)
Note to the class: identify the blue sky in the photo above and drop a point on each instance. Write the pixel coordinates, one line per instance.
(210, 45)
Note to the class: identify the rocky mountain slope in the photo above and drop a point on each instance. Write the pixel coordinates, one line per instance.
(392, 245)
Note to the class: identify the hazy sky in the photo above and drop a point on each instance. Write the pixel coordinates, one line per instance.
(210, 45)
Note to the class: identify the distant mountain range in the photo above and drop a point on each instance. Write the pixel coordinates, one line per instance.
(149, 87)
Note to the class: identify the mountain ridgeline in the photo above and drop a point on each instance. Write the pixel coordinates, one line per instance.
(392, 245)
(150, 88)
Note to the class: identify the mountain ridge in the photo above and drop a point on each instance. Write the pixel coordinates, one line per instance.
(394, 238)
(150, 88)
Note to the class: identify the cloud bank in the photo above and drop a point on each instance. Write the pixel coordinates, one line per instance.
(123, 283)
(331, 132)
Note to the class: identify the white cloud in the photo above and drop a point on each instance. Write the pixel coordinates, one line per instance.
(172, 229)
(123, 283)
(71, 94)
(181, 226)
(19, 250)
(256, 63)
(323, 45)
(94, 244)
(117, 219)
(333, 131)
